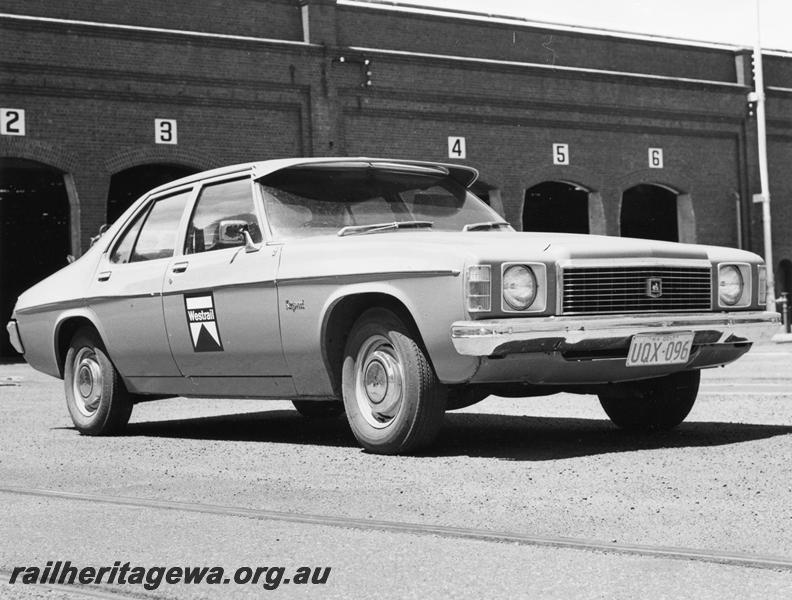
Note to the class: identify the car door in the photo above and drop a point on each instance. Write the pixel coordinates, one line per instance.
(219, 295)
(126, 292)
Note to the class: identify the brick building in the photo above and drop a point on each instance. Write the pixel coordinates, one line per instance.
(571, 130)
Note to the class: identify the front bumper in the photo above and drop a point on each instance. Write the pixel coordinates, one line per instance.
(13, 336)
(493, 337)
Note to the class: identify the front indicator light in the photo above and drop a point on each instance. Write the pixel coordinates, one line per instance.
(730, 285)
(478, 288)
(762, 282)
(519, 287)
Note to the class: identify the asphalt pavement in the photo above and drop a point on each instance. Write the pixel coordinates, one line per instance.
(519, 498)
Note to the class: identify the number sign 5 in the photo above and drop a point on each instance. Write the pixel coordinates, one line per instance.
(560, 154)
(165, 131)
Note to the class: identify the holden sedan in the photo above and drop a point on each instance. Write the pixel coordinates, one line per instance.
(383, 289)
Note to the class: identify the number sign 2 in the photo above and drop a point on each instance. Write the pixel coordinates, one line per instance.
(12, 121)
(456, 147)
(165, 131)
(560, 154)
(655, 158)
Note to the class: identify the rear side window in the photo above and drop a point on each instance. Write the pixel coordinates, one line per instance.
(152, 235)
(223, 212)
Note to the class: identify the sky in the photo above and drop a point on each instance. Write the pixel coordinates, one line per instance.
(721, 21)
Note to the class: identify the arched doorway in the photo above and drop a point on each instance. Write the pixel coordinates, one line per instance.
(34, 230)
(650, 211)
(784, 277)
(130, 184)
(556, 206)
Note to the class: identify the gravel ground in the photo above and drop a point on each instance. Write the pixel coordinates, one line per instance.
(543, 466)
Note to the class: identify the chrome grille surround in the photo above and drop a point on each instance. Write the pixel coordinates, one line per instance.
(620, 286)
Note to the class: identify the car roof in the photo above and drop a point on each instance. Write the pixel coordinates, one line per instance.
(460, 173)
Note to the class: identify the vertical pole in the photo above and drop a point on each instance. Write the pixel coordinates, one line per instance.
(761, 130)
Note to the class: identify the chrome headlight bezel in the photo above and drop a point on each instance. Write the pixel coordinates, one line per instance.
(742, 294)
(538, 303)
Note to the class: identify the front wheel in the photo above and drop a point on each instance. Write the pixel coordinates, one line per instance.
(393, 399)
(96, 398)
(653, 404)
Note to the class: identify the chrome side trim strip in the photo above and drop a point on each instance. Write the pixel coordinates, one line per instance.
(368, 277)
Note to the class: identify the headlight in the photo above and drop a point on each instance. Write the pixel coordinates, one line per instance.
(730, 285)
(519, 287)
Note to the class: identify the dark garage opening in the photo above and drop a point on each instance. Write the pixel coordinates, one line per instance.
(556, 206)
(129, 185)
(650, 212)
(34, 231)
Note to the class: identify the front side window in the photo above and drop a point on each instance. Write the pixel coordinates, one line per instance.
(223, 213)
(321, 200)
(153, 233)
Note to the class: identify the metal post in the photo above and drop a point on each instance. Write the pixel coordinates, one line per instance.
(761, 131)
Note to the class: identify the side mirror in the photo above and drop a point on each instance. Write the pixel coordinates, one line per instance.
(236, 232)
(96, 238)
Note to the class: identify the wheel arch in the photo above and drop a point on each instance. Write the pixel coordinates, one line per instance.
(65, 329)
(341, 315)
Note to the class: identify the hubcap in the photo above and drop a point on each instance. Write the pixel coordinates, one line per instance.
(379, 378)
(88, 383)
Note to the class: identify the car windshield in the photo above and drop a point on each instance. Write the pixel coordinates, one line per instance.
(326, 200)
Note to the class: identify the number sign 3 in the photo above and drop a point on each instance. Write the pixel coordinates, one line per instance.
(165, 131)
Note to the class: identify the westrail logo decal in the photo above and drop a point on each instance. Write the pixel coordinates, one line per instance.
(202, 322)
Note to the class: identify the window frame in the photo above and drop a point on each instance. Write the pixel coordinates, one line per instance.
(143, 213)
(266, 236)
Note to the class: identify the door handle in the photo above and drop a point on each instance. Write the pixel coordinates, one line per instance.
(179, 267)
(104, 275)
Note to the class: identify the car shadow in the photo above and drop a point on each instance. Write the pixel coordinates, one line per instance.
(477, 435)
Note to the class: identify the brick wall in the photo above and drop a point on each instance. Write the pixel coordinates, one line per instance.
(92, 94)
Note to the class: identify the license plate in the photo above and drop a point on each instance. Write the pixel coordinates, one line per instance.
(660, 349)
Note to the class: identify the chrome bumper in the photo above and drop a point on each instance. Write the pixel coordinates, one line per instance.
(485, 337)
(13, 335)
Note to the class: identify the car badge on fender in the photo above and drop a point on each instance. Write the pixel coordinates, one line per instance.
(654, 287)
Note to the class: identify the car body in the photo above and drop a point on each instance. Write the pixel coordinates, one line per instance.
(385, 288)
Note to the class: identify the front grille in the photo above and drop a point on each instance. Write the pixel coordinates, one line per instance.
(624, 289)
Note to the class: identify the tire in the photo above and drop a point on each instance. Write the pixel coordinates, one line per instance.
(97, 399)
(464, 396)
(655, 404)
(318, 409)
(393, 399)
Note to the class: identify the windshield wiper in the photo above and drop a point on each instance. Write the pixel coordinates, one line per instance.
(378, 227)
(485, 225)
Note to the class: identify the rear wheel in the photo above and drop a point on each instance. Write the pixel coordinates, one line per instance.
(97, 400)
(318, 409)
(654, 404)
(393, 399)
